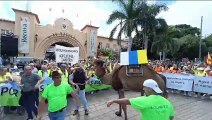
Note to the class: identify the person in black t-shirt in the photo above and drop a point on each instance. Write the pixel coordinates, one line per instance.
(79, 79)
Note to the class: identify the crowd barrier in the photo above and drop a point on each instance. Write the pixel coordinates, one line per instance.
(186, 82)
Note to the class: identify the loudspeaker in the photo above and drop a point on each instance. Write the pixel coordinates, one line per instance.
(9, 46)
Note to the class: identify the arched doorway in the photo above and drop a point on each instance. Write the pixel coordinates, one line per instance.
(50, 51)
(60, 39)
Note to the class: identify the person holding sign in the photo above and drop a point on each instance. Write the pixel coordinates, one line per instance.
(152, 106)
(56, 95)
(3, 78)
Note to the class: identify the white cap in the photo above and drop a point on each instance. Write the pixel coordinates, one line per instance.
(150, 83)
(200, 68)
(45, 61)
(207, 69)
(31, 64)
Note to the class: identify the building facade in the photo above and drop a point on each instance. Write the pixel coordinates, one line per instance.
(36, 40)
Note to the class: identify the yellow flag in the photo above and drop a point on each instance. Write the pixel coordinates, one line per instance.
(142, 56)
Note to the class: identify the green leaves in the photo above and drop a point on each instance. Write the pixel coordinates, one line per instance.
(116, 15)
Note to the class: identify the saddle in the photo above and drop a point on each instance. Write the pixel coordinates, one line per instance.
(134, 70)
(131, 70)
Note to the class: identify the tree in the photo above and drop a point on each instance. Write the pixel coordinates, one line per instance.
(107, 52)
(184, 29)
(150, 25)
(208, 42)
(165, 43)
(127, 17)
(189, 47)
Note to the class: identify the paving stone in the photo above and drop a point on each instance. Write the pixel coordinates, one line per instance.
(187, 108)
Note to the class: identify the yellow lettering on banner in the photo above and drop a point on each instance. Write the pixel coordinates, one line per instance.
(142, 56)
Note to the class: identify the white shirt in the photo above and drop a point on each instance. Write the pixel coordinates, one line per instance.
(35, 70)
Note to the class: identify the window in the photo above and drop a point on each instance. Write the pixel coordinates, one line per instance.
(115, 47)
(7, 31)
(3, 31)
(100, 45)
(107, 45)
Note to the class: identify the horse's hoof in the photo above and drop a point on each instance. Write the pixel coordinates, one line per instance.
(118, 113)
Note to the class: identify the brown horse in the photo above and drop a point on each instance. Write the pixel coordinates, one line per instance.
(120, 81)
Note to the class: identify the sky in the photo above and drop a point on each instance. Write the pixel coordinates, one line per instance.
(96, 13)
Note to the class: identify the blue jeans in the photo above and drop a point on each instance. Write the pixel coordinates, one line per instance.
(57, 116)
(29, 103)
(83, 99)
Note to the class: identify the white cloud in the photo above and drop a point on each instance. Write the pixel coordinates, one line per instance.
(79, 13)
(151, 1)
(180, 12)
(190, 12)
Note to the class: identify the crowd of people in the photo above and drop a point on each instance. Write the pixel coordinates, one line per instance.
(77, 75)
(188, 68)
(36, 72)
(201, 69)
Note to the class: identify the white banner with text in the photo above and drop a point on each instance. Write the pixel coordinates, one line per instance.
(179, 81)
(203, 84)
(66, 54)
(24, 35)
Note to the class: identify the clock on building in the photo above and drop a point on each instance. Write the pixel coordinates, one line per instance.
(64, 26)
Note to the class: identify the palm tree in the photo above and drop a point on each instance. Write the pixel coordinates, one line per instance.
(148, 21)
(166, 44)
(134, 14)
(127, 17)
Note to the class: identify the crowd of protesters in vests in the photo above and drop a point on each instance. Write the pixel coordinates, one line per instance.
(77, 75)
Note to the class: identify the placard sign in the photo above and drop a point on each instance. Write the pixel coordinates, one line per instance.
(203, 84)
(179, 81)
(66, 54)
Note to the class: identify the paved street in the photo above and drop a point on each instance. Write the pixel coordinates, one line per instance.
(187, 108)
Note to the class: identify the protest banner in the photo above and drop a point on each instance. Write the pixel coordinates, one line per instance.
(203, 84)
(179, 81)
(9, 94)
(45, 83)
(66, 54)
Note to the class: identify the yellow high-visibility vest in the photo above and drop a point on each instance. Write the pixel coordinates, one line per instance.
(200, 73)
(2, 79)
(40, 73)
(64, 76)
(7, 75)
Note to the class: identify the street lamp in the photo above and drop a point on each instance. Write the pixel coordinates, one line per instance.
(200, 41)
